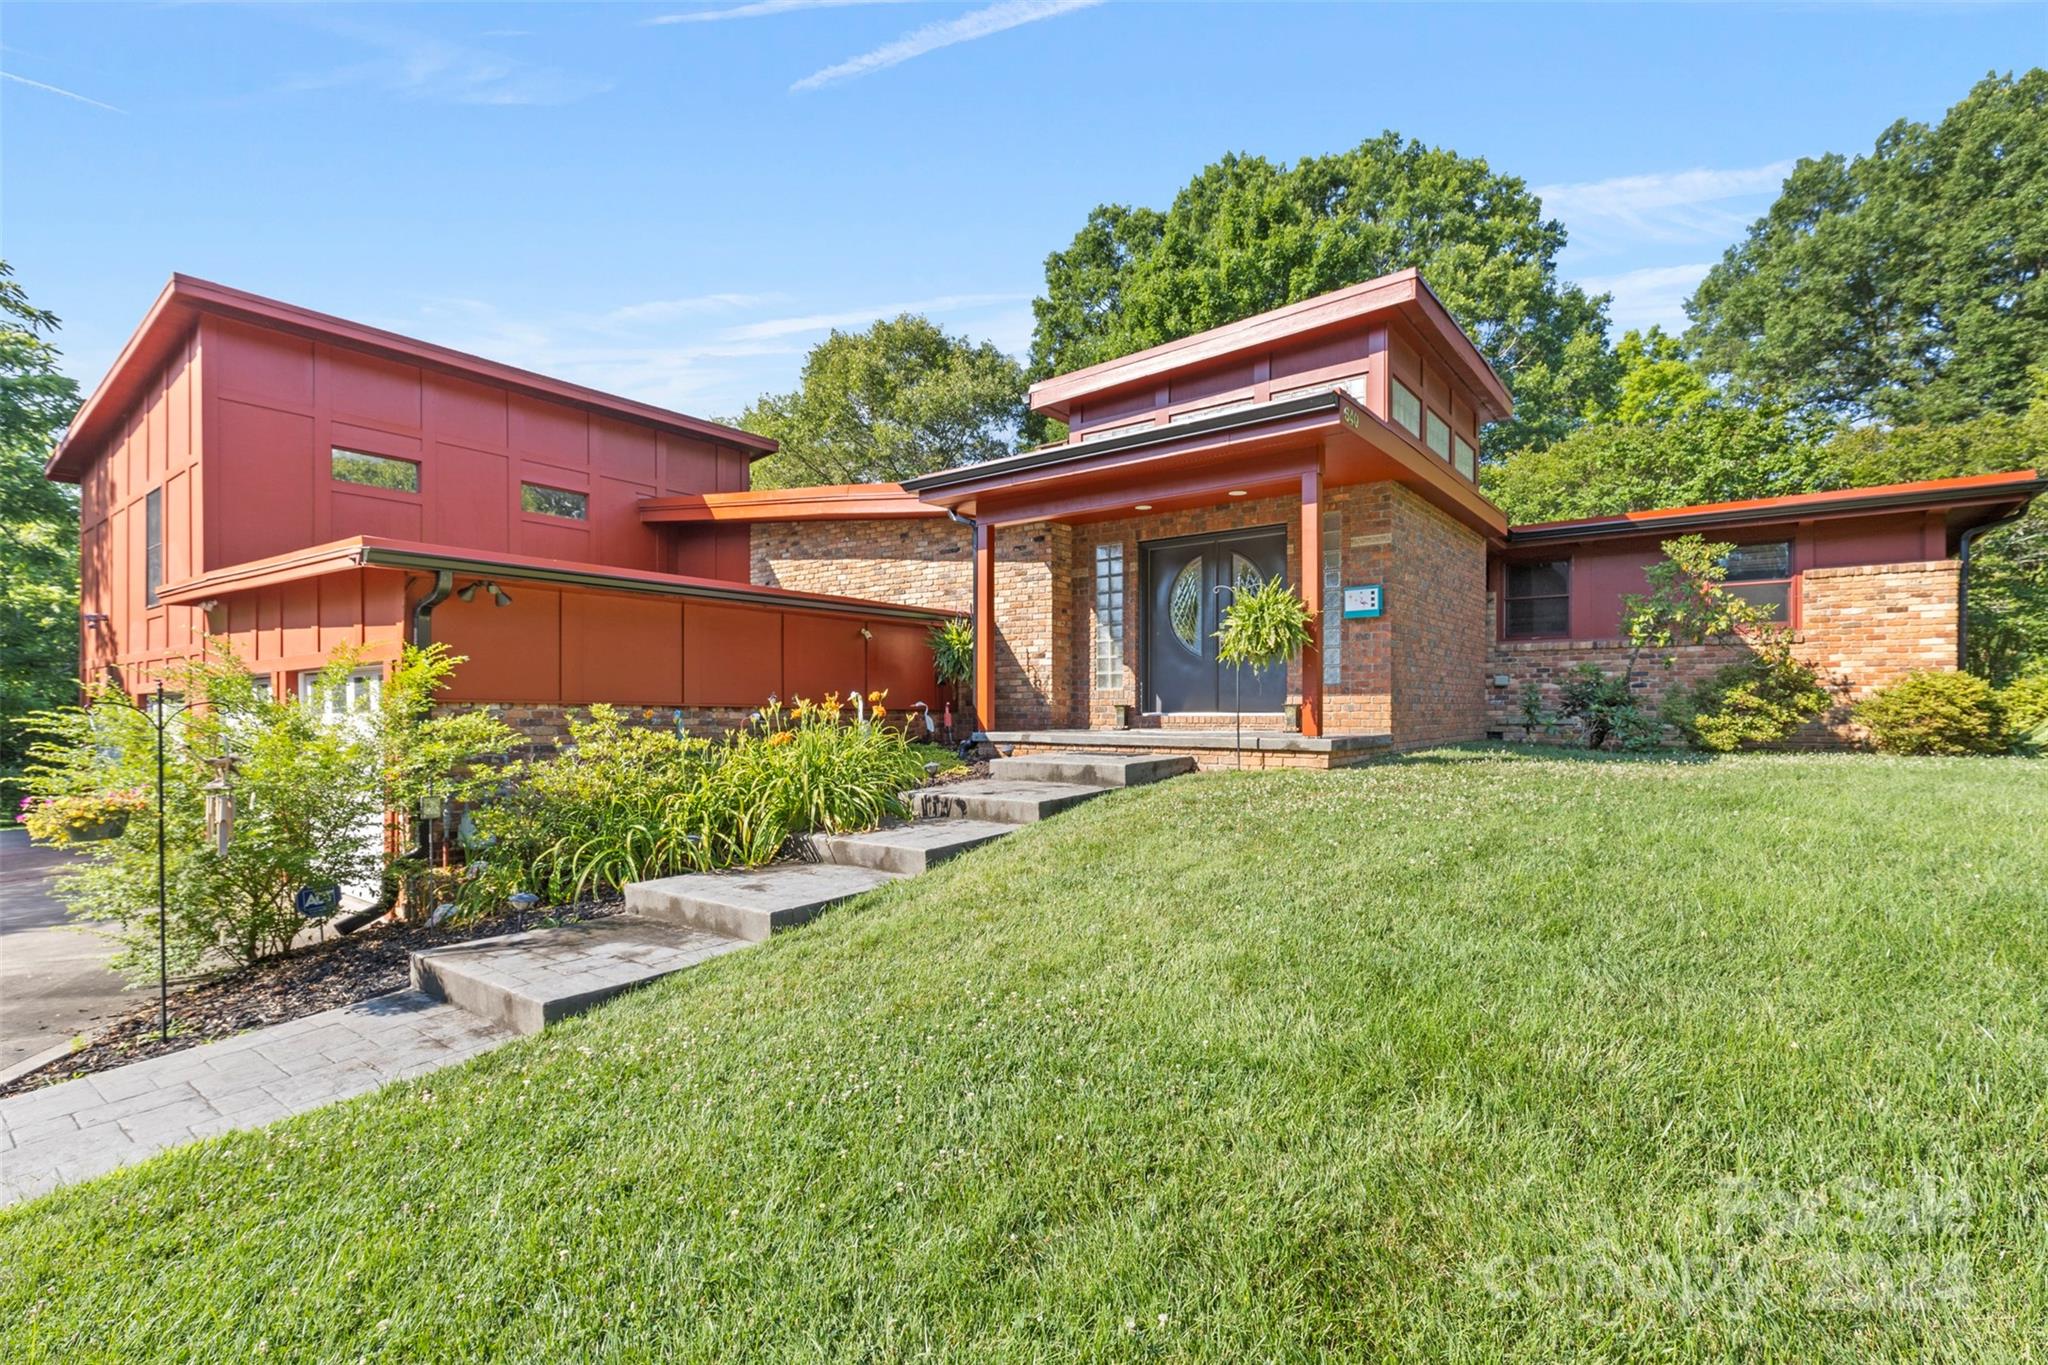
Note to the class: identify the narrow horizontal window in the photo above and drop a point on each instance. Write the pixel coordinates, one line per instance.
(1539, 598)
(553, 502)
(1407, 407)
(1437, 435)
(373, 471)
(1465, 457)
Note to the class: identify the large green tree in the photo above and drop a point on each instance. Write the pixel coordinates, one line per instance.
(1247, 235)
(1908, 285)
(38, 530)
(900, 399)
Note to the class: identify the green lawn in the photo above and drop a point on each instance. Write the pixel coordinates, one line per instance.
(1466, 1056)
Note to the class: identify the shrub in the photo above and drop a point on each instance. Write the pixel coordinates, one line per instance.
(1605, 706)
(305, 793)
(2025, 703)
(1760, 700)
(1934, 713)
(622, 804)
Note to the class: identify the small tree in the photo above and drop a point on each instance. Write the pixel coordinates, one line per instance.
(1261, 627)
(304, 791)
(1686, 605)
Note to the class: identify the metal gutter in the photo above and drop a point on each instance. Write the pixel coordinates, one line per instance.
(1047, 456)
(1749, 516)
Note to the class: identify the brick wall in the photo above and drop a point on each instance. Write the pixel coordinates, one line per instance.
(1436, 603)
(1860, 628)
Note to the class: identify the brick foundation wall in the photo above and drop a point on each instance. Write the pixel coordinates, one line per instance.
(1860, 628)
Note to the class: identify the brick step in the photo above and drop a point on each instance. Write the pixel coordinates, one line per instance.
(1085, 769)
(753, 903)
(527, 981)
(907, 849)
(998, 800)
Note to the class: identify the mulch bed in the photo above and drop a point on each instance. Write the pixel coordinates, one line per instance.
(370, 962)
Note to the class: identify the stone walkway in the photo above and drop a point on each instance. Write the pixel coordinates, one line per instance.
(68, 1132)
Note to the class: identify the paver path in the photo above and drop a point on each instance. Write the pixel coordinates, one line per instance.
(62, 1133)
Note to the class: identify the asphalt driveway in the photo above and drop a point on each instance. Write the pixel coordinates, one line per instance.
(54, 983)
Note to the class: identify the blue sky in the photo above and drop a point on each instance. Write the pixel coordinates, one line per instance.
(674, 201)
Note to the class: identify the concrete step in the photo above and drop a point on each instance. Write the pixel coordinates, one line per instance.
(1002, 801)
(1086, 769)
(750, 904)
(907, 849)
(527, 981)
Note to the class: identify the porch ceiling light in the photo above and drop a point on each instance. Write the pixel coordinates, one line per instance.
(1142, 507)
(1237, 492)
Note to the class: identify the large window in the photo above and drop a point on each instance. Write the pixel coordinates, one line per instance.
(373, 471)
(152, 545)
(1407, 407)
(1109, 615)
(1763, 574)
(1436, 435)
(553, 502)
(1539, 599)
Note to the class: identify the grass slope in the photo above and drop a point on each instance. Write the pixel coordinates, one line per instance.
(1472, 1055)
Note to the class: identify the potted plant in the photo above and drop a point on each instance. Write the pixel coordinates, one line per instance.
(1262, 626)
(952, 645)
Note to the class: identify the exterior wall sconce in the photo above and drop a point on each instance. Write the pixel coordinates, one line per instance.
(498, 594)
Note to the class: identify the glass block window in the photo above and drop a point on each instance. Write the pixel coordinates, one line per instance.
(1763, 574)
(553, 502)
(153, 545)
(1407, 407)
(1332, 624)
(1465, 457)
(1539, 599)
(373, 471)
(1436, 434)
(1109, 615)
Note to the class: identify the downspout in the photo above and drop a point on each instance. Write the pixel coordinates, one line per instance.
(974, 597)
(1963, 547)
(422, 636)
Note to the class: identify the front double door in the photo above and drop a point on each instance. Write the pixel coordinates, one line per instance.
(1189, 582)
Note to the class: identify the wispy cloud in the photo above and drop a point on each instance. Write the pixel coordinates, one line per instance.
(59, 90)
(811, 323)
(417, 66)
(709, 354)
(761, 9)
(1651, 297)
(981, 23)
(1698, 205)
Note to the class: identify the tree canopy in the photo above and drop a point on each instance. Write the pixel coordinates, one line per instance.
(900, 399)
(38, 527)
(1908, 285)
(1247, 235)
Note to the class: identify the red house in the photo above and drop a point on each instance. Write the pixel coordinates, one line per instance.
(288, 482)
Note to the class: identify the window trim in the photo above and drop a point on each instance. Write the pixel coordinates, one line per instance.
(418, 472)
(1790, 578)
(1506, 582)
(582, 495)
(152, 544)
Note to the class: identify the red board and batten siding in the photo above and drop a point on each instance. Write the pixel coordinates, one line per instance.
(277, 404)
(576, 648)
(1604, 572)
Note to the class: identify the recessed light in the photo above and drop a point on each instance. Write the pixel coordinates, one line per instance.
(1237, 492)
(1142, 507)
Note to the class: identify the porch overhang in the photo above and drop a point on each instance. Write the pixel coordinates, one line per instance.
(832, 502)
(1260, 451)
